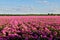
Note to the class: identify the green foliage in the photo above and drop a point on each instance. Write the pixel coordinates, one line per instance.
(30, 14)
(1, 27)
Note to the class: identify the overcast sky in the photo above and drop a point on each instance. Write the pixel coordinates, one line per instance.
(29, 6)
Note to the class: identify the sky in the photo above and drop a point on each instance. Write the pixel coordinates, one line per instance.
(29, 6)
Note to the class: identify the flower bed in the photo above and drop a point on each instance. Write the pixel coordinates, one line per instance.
(17, 28)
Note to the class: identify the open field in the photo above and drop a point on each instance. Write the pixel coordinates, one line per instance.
(30, 27)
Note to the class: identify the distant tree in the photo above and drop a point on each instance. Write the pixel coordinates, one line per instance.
(51, 13)
(48, 13)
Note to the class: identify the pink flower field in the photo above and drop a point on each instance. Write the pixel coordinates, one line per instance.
(30, 27)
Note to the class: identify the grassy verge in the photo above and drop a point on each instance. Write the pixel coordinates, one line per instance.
(29, 14)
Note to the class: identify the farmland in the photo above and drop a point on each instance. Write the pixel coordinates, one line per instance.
(30, 27)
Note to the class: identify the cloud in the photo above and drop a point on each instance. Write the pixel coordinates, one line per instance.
(50, 7)
(22, 9)
(43, 2)
(25, 9)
